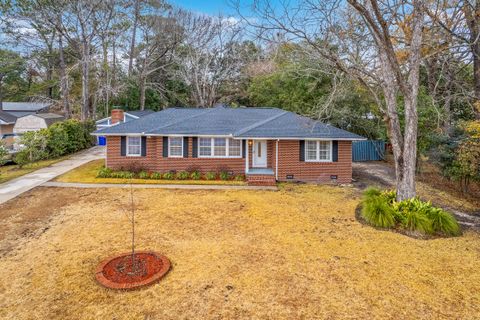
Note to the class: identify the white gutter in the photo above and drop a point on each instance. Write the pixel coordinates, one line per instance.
(302, 138)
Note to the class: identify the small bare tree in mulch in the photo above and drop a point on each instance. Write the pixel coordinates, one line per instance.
(135, 268)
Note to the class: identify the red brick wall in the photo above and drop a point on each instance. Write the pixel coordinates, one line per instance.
(288, 160)
(154, 160)
(289, 164)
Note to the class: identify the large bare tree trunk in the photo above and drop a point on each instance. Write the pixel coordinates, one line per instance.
(85, 81)
(63, 78)
(473, 22)
(142, 89)
(394, 81)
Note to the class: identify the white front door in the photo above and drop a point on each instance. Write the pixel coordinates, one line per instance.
(259, 155)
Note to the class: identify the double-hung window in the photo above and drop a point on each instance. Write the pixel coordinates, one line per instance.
(219, 148)
(175, 147)
(205, 147)
(318, 150)
(234, 148)
(134, 146)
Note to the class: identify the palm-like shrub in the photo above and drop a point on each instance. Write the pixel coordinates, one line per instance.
(381, 209)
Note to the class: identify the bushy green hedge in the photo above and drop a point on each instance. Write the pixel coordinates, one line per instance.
(180, 175)
(380, 209)
(59, 139)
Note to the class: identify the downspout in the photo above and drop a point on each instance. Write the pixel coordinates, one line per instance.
(246, 157)
(276, 161)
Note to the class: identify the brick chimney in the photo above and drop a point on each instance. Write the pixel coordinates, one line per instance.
(117, 116)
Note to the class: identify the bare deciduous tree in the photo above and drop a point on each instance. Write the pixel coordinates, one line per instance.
(377, 43)
(207, 57)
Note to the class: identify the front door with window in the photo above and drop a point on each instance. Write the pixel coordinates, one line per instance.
(259, 155)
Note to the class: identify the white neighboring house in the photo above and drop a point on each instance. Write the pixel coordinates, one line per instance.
(35, 122)
(119, 116)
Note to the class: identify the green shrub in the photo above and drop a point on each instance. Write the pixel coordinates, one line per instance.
(380, 209)
(210, 176)
(57, 140)
(371, 193)
(156, 176)
(34, 147)
(123, 175)
(377, 212)
(104, 173)
(168, 176)
(3, 154)
(390, 196)
(443, 222)
(240, 177)
(224, 175)
(182, 175)
(417, 221)
(144, 175)
(195, 175)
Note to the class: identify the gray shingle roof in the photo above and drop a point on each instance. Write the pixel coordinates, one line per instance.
(24, 106)
(7, 117)
(140, 113)
(236, 122)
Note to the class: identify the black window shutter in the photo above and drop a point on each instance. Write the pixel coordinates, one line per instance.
(335, 151)
(144, 146)
(123, 146)
(194, 147)
(165, 147)
(244, 148)
(185, 147)
(302, 150)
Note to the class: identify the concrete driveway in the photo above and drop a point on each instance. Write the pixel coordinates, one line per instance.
(15, 187)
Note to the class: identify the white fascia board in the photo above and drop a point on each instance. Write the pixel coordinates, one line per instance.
(301, 138)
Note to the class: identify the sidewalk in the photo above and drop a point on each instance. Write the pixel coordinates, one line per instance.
(16, 187)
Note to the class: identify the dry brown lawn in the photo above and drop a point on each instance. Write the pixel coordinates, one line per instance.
(297, 253)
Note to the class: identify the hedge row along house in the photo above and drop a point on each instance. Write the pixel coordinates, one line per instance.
(265, 144)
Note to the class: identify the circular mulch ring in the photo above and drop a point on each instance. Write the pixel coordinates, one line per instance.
(121, 272)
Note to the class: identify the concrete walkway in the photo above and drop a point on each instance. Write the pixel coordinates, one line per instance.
(16, 187)
(155, 186)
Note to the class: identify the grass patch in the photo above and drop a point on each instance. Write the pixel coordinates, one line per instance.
(88, 172)
(293, 254)
(10, 172)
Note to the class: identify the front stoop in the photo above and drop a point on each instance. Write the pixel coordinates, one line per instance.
(261, 178)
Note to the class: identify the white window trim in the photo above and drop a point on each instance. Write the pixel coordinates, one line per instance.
(169, 145)
(330, 159)
(127, 144)
(212, 146)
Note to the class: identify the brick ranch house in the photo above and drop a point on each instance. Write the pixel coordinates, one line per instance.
(265, 144)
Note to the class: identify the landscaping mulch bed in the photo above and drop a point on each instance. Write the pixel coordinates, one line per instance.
(123, 272)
